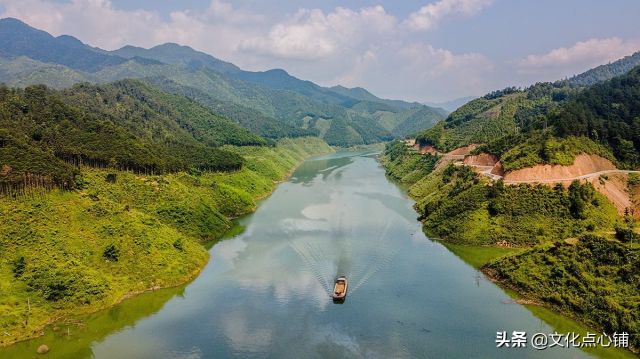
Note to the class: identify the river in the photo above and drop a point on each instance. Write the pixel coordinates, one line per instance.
(266, 291)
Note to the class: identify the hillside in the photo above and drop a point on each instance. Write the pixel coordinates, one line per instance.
(126, 125)
(246, 117)
(271, 103)
(511, 110)
(495, 115)
(609, 113)
(174, 54)
(605, 72)
(413, 120)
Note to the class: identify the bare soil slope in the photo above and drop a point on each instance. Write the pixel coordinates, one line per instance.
(583, 165)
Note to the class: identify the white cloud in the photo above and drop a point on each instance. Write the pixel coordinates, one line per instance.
(429, 66)
(312, 35)
(591, 52)
(428, 17)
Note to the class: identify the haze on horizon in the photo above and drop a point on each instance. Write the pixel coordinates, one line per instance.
(413, 50)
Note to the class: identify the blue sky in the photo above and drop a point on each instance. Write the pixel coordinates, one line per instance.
(430, 50)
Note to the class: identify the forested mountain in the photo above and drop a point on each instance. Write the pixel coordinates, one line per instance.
(249, 118)
(44, 133)
(363, 95)
(271, 103)
(174, 54)
(17, 39)
(605, 72)
(609, 113)
(416, 119)
(510, 111)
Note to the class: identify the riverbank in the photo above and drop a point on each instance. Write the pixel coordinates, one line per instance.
(564, 253)
(66, 253)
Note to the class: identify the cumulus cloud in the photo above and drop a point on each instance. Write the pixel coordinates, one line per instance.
(311, 34)
(429, 16)
(429, 65)
(591, 52)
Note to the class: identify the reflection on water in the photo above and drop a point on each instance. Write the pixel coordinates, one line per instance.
(75, 338)
(323, 166)
(265, 292)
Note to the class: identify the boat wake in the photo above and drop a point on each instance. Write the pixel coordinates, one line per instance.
(326, 260)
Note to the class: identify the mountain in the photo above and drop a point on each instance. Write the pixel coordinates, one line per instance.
(277, 79)
(19, 39)
(271, 103)
(175, 54)
(546, 146)
(246, 117)
(605, 72)
(363, 95)
(609, 113)
(451, 105)
(507, 112)
(127, 125)
(416, 119)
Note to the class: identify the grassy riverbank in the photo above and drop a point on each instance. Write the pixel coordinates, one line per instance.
(119, 234)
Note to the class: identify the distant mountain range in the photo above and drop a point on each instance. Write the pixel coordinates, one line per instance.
(451, 105)
(272, 103)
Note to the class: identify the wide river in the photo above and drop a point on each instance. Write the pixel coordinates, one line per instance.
(266, 290)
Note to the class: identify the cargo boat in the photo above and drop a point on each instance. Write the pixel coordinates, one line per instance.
(340, 289)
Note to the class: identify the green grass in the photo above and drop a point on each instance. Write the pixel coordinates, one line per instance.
(478, 256)
(72, 252)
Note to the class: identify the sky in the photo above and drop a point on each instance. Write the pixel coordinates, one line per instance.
(429, 50)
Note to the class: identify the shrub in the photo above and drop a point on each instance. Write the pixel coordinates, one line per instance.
(18, 267)
(179, 245)
(111, 253)
(625, 234)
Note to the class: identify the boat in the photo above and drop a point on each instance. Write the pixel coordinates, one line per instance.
(340, 289)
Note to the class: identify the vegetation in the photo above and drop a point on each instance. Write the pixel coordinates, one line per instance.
(71, 252)
(45, 133)
(606, 72)
(246, 117)
(596, 280)
(608, 113)
(455, 204)
(166, 117)
(405, 164)
(479, 121)
(542, 147)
